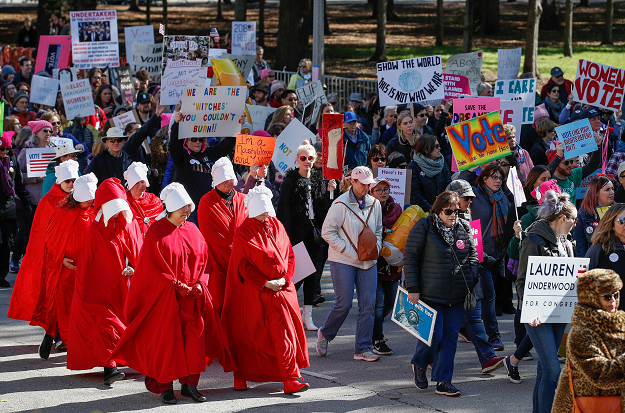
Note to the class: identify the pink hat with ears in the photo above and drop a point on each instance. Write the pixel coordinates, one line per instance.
(6, 140)
(540, 112)
(539, 192)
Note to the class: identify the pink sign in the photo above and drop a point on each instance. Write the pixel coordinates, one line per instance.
(465, 109)
(53, 53)
(476, 231)
(456, 86)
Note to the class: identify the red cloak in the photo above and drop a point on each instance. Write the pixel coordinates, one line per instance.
(28, 282)
(265, 329)
(64, 239)
(165, 335)
(97, 317)
(146, 208)
(218, 224)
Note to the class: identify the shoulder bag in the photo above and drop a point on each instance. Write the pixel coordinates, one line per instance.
(367, 241)
(470, 301)
(593, 404)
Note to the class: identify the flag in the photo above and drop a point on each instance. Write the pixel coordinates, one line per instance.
(161, 29)
(37, 160)
(515, 185)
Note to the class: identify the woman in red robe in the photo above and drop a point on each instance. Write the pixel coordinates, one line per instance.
(220, 213)
(261, 313)
(169, 310)
(145, 206)
(110, 253)
(29, 283)
(64, 240)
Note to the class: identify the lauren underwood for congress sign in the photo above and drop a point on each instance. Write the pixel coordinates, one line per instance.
(410, 80)
(599, 85)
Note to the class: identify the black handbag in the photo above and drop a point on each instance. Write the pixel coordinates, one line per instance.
(470, 301)
(317, 236)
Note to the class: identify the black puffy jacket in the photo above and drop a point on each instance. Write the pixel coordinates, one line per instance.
(424, 190)
(431, 268)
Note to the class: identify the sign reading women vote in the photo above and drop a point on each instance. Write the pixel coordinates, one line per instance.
(286, 146)
(332, 144)
(599, 85)
(77, 99)
(577, 138)
(551, 288)
(410, 80)
(253, 150)
(212, 111)
(519, 89)
(417, 319)
(44, 90)
(94, 38)
(478, 140)
(469, 65)
(465, 109)
(53, 53)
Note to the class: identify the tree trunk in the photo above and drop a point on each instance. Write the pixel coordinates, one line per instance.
(134, 6)
(294, 29)
(148, 16)
(440, 20)
(390, 12)
(220, 15)
(380, 37)
(240, 10)
(531, 38)
(44, 9)
(165, 13)
(492, 17)
(467, 33)
(261, 23)
(609, 20)
(326, 23)
(568, 29)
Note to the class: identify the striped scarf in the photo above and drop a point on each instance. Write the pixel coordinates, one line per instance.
(500, 212)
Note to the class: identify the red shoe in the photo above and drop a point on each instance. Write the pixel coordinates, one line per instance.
(240, 385)
(295, 386)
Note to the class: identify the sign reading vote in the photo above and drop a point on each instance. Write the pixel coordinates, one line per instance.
(410, 80)
(599, 85)
(551, 288)
(253, 150)
(212, 111)
(478, 140)
(577, 137)
(519, 89)
(37, 160)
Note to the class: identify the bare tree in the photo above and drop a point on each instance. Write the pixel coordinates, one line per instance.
(568, 29)
(294, 30)
(531, 39)
(609, 21)
(261, 23)
(467, 33)
(240, 10)
(220, 15)
(147, 12)
(380, 37)
(440, 20)
(134, 6)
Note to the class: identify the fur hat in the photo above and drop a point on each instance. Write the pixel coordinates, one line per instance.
(593, 283)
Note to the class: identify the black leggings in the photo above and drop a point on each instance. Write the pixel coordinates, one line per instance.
(7, 229)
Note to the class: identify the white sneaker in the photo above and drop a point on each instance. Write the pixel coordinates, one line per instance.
(366, 356)
(321, 345)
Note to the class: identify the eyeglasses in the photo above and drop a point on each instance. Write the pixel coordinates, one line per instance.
(46, 130)
(504, 164)
(437, 146)
(304, 158)
(377, 159)
(609, 297)
(5, 148)
(621, 220)
(451, 211)
(422, 115)
(382, 191)
(112, 140)
(496, 177)
(569, 162)
(196, 139)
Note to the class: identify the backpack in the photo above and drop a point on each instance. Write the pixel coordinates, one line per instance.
(367, 241)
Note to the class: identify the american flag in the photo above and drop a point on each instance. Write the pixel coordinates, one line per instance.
(37, 160)
(161, 29)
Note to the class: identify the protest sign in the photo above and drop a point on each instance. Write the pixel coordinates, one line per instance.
(148, 57)
(307, 115)
(61, 141)
(53, 53)
(243, 63)
(185, 52)
(580, 191)
(243, 38)
(259, 115)
(312, 92)
(253, 150)
(456, 86)
(286, 146)
(418, 319)
(410, 80)
(599, 85)
(511, 112)
(469, 65)
(478, 140)
(399, 180)
(332, 144)
(577, 137)
(124, 119)
(465, 109)
(177, 79)
(516, 187)
(551, 288)
(212, 111)
(137, 34)
(508, 63)
(126, 85)
(37, 160)
(69, 74)
(43, 90)
(303, 264)
(94, 38)
(1, 118)
(476, 232)
(519, 89)
(77, 99)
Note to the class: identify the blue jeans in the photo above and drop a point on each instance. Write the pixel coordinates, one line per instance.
(444, 343)
(344, 277)
(472, 321)
(488, 305)
(546, 339)
(384, 302)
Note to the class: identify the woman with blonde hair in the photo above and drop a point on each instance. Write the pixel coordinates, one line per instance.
(407, 132)
(283, 115)
(303, 75)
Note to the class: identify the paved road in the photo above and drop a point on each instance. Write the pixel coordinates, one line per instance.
(338, 383)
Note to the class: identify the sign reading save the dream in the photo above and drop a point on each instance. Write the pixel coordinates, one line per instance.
(410, 80)
(551, 288)
(212, 111)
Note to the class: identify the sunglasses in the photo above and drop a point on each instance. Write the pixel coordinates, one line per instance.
(304, 158)
(496, 177)
(46, 130)
(55, 123)
(392, 116)
(383, 191)
(196, 139)
(376, 159)
(608, 297)
(468, 198)
(622, 176)
(422, 115)
(569, 162)
(292, 99)
(504, 164)
(448, 212)
(118, 140)
(5, 148)
(302, 65)
(621, 220)
(555, 91)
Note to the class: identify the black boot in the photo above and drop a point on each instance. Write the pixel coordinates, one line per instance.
(45, 346)
(168, 397)
(111, 375)
(190, 391)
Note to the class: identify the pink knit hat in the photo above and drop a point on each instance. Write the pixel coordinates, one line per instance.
(6, 140)
(539, 192)
(37, 125)
(264, 72)
(540, 112)
(275, 85)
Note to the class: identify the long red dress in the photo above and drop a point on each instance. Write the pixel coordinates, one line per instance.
(29, 279)
(218, 224)
(265, 329)
(145, 209)
(64, 239)
(165, 335)
(97, 317)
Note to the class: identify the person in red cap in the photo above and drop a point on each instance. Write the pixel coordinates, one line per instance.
(109, 254)
(144, 205)
(220, 213)
(181, 329)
